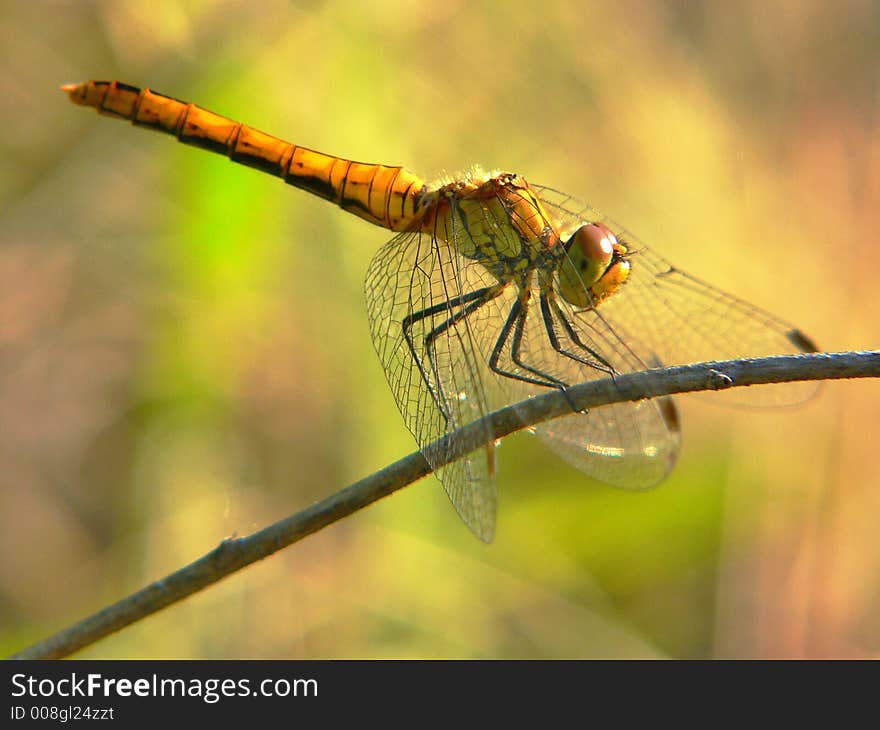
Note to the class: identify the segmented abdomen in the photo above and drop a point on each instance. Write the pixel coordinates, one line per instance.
(386, 196)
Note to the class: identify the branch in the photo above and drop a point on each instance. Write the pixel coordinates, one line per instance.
(234, 554)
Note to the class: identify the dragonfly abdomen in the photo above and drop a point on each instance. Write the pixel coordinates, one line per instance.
(386, 196)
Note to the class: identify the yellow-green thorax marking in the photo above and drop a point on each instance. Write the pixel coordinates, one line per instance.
(499, 221)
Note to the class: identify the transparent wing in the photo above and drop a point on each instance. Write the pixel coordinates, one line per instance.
(682, 319)
(457, 342)
(425, 305)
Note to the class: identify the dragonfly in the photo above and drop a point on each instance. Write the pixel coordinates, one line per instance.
(494, 290)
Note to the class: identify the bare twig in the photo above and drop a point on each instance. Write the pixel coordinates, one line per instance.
(236, 553)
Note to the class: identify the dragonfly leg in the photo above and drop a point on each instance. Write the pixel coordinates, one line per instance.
(516, 324)
(469, 303)
(598, 362)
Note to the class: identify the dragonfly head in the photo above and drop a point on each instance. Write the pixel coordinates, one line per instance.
(595, 267)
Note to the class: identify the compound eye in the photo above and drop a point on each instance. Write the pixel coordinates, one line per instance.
(594, 245)
(591, 250)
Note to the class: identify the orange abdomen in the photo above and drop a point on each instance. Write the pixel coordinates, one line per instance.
(386, 196)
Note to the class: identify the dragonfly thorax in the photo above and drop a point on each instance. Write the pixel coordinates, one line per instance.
(595, 267)
(497, 221)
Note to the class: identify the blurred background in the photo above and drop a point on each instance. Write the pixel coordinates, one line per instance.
(184, 351)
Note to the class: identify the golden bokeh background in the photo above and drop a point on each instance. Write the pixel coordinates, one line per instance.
(184, 352)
